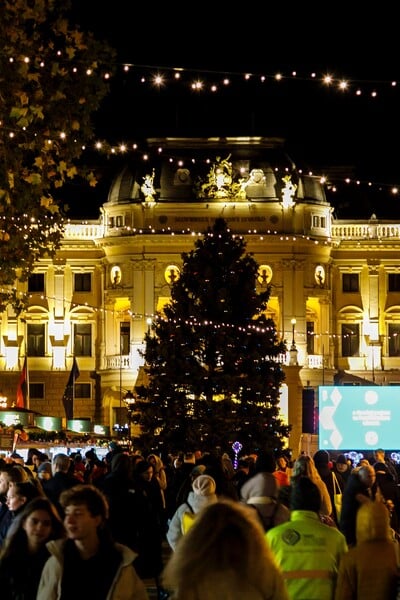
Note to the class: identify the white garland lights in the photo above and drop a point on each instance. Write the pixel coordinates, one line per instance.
(213, 81)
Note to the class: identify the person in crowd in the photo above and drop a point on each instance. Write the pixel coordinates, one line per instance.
(35, 458)
(390, 493)
(135, 458)
(224, 556)
(186, 486)
(307, 551)
(160, 476)
(44, 473)
(24, 552)
(216, 467)
(177, 475)
(78, 466)
(180, 483)
(333, 481)
(361, 487)
(9, 474)
(370, 568)
(282, 471)
(261, 492)
(61, 479)
(118, 487)
(113, 449)
(203, 493)
(380, 457)
(227, 465)
(304, 466)
(18, 495)
(95, 469)
(149, 525)
(17, 458)
(342, 467)
(88, 563)
(242, 474)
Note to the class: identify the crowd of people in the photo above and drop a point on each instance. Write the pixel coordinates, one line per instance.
(264, 526)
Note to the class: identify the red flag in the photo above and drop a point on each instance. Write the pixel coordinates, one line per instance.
(22, 389)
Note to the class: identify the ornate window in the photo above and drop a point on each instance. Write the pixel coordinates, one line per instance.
(350, 282)
(350, 339)
(82, 339)
(36, 338)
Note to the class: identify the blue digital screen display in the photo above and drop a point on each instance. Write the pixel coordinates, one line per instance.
(359, 417)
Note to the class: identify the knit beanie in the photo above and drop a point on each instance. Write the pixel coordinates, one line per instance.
(321, 457)
(204, 485)
(45, 467)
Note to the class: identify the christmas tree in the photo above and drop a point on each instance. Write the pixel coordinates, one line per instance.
(213, 356)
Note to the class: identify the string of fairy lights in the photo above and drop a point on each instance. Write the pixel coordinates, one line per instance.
(212, 81)
(198, 80)
(153, 318)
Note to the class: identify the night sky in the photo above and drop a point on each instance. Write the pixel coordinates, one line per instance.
(323, 126)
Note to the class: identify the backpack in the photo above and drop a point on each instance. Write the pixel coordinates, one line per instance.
(188, 518)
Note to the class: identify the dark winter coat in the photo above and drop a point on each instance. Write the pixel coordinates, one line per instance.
(149, 527)
(326, 475)
(350, 505)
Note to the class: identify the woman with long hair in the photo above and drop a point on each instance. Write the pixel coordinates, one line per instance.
(24, 553)
(224, 555)
(304, 466)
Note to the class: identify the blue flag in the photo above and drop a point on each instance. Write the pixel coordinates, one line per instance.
(68, 397)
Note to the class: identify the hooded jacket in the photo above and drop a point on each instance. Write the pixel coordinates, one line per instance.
(369, 569)
(195, 503)
(261, 491)
(126, 584)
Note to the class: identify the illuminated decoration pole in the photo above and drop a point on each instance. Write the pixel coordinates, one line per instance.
(236, 447)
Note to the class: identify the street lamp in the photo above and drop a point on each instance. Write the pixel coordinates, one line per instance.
(130, 401)
(293, 350)
(293, 346)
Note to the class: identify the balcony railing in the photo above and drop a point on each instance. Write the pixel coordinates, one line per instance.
(84, 231)
(365, 231)
(315, 361)
(118, 361)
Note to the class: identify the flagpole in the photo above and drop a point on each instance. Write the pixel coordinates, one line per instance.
(69, 392)
(28, 400)
(22, 388)
(73, 384)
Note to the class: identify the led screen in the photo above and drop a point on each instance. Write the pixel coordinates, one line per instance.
(359, 417)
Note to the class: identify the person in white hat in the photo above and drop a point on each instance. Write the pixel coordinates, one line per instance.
(202, 494)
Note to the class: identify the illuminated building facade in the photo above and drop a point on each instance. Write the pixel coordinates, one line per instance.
(335, 285)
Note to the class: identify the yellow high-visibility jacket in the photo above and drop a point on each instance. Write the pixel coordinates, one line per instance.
(308, 553)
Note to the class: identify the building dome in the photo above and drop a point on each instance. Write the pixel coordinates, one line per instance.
(209, 169)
